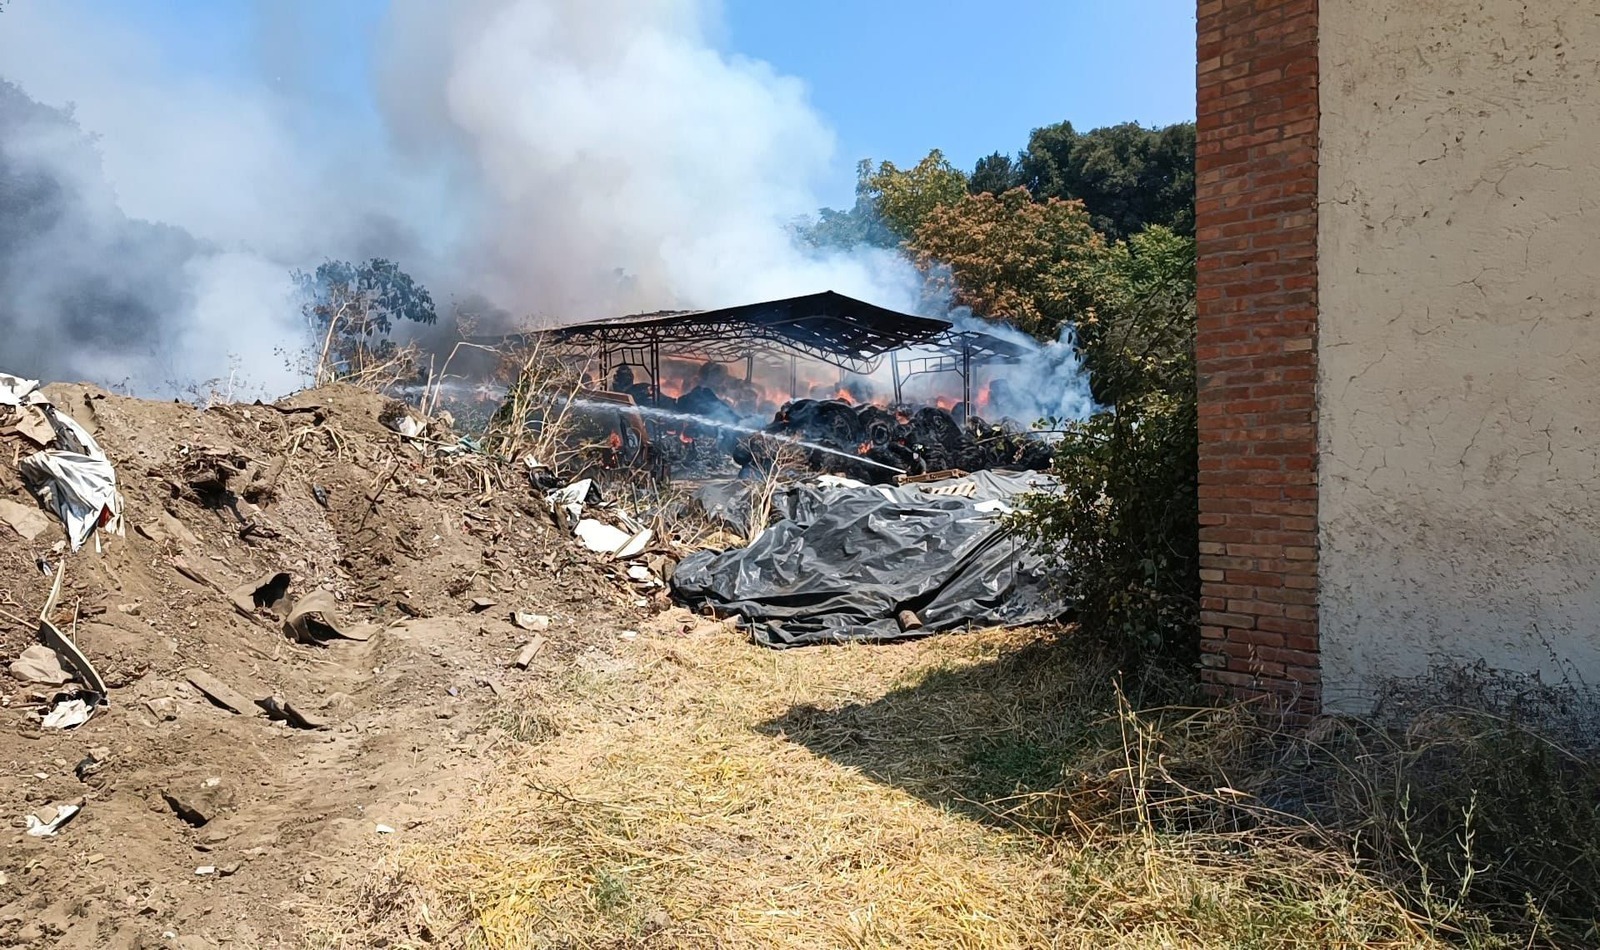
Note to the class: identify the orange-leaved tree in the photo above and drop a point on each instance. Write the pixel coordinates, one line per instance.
(1011, 257)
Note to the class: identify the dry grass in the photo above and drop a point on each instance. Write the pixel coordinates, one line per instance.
(695, 791)
(537, 416)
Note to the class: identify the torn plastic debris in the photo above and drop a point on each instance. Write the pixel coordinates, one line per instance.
(75, 479)
(540, 475)
(602, 538)
(398, 417)
(580, 492)
(46, 822)
(68, 714)
(530, 621)
(843, 563)
(567, 503)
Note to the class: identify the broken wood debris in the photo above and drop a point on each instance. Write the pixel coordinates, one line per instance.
(218, 692)
(527, 652)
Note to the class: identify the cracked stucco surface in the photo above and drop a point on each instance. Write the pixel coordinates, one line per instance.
(1459, 389)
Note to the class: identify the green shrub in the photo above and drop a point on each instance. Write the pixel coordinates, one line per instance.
(1123, 532)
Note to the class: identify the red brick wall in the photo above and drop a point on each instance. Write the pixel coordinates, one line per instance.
(1257, 229)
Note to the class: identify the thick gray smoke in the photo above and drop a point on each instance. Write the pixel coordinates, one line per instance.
(1048, 384)
(88, 292)
(557, 159)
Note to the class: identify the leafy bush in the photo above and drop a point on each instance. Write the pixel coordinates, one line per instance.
(1123, 532)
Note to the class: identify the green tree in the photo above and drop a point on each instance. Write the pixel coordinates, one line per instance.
(861, 225)
(905, 198)
(1008, 256)
(353, 308)
(1139, 336)
(1128, 176)
(995, 174)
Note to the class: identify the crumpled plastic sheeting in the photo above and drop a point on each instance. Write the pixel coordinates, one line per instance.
(16, 391)
(842, 562)
(76, 479)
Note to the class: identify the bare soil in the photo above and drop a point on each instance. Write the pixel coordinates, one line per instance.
(414, 546)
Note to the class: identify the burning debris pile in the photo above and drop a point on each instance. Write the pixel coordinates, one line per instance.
(840, 382)
(871, 443)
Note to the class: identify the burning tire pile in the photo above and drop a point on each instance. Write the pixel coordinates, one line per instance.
(872, 443)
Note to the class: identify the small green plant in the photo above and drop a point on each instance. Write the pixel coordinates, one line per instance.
(610, 893)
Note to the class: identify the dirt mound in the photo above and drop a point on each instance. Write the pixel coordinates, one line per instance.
(204, 826)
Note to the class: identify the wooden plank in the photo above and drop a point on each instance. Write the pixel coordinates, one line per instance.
(219, 692)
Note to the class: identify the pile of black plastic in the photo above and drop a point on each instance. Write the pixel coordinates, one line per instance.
(836, 436)
(847, 562)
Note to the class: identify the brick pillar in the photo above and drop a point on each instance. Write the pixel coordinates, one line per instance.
(1256, 219)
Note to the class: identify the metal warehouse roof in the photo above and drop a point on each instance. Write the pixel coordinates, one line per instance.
(827, 326)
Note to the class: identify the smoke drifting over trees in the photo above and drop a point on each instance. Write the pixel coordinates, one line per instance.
(560, 158)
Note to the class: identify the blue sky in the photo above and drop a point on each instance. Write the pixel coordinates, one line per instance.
(898, 77)
(893, 78)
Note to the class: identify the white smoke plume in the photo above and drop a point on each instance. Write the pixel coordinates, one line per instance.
(614, 160)
(560, 159)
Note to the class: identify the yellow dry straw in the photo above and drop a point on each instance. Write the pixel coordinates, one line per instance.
(662, 802)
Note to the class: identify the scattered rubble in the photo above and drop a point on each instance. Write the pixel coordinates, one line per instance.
(200, 805)
(40, 665)
(254, 622)
(278, 708)
(220, 693)
(311, 620)
(28, 523)
(527, 652)
(525, 620)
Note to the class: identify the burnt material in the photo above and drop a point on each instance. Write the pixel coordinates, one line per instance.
(914, 441)
(828, 326)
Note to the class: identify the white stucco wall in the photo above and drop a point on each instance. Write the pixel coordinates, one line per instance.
(1459, 390)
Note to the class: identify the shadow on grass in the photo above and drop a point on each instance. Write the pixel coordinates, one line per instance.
(1477, 823)
(965, 735)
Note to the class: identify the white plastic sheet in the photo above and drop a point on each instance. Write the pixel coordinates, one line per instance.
(75, 479)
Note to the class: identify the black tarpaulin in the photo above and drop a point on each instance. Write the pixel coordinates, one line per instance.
(842, 561)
